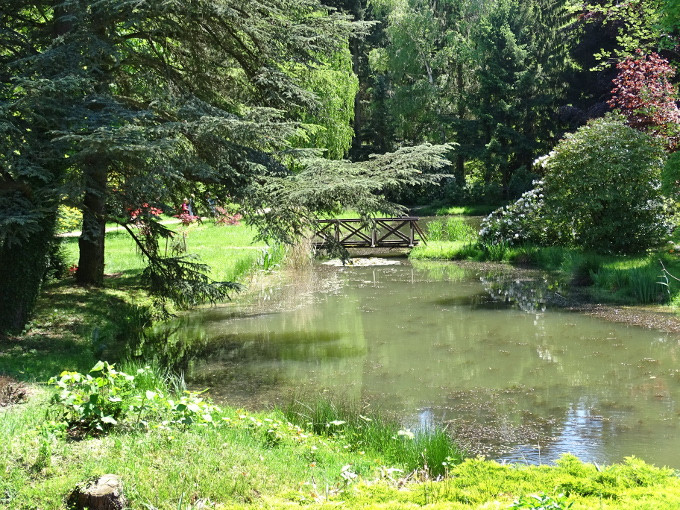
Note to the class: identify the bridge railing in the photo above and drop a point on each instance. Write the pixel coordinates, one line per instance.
(376, 233)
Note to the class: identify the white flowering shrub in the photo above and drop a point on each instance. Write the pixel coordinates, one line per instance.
(517, 223)
(601, 190)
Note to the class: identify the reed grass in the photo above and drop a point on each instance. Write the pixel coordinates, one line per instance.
(450, 229)
(428, 450)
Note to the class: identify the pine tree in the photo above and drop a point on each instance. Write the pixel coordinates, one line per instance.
(33, 164)
(145, 98)
(523, 57)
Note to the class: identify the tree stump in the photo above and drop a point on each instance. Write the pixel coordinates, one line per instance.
(106, 493)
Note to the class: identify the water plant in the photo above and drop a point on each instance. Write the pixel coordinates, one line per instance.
(496, 252)
(270, 257)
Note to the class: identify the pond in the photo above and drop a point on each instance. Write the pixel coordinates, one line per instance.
(478, 351)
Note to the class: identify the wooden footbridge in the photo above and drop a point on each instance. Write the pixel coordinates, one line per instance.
(375, 233)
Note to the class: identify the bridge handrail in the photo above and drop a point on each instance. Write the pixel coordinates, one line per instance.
(356, 236)
(357, 220)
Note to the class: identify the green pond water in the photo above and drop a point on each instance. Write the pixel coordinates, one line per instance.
(477, 351)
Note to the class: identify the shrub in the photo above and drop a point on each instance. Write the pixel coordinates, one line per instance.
(670, 177)
(94, 403)
(602, 189)
(224, 216)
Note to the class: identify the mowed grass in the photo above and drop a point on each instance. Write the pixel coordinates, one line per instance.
(456, 210)
(222, 247)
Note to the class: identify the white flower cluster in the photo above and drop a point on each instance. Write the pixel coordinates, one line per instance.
(518, 222)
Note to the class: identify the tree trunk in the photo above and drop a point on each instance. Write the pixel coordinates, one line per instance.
(459, 172)
(91, 243)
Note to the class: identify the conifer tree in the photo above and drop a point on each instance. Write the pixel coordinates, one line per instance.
(116, 103)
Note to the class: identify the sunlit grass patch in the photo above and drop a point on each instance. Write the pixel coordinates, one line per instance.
(466, 210)
(72, 326)
(446, 250)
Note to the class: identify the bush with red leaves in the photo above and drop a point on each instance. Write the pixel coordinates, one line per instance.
(644, 94)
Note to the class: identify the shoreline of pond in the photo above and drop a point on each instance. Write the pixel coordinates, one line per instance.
(283, 334)
(658, 317)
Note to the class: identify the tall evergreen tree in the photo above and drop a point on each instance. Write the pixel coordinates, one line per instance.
(33, 165)
(143, 97)
(521, 80)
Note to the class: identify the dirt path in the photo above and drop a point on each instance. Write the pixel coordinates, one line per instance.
(76, 233)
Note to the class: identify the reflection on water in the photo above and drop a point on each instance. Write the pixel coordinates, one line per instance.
(434, 343)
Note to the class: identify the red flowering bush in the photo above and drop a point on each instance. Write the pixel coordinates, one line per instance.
(186, 218)
(223, 217)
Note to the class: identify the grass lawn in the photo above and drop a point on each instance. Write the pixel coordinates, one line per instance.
(456, 210)
(72, 325)
(223, 247)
